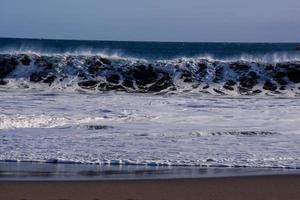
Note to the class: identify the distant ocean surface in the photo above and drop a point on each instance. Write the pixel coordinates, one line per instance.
(150, 103)
(152, 50)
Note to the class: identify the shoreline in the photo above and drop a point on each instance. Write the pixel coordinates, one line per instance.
(27, 171)
(275, 187)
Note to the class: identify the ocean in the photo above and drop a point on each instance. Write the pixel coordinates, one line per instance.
(150, 103)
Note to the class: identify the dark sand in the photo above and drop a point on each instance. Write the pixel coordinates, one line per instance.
(283, 187)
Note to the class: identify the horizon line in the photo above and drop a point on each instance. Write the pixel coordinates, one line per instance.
(146, 41)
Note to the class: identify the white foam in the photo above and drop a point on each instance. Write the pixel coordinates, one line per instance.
(44, 121)
(149, 129)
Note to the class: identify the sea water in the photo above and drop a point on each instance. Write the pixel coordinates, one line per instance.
(153, 104)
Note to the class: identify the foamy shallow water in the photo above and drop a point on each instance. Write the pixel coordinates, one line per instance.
(123, 128)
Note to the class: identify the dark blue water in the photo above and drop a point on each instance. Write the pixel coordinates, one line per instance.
(149, 50)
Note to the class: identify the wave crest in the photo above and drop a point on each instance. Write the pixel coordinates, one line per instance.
(98, 72)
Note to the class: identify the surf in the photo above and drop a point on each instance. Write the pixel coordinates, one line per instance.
(100, 72)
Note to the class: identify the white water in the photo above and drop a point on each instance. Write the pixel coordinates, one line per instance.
(68, 73)
(149, 129)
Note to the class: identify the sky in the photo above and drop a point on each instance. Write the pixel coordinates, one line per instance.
(153, 20)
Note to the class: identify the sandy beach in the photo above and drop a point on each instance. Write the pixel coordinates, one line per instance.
(282, 187)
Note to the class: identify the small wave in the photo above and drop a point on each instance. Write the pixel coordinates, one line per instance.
(20, 121)
(207, 163)
(97, 72)
(46, 121)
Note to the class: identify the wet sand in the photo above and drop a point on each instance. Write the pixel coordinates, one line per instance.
(283, 187)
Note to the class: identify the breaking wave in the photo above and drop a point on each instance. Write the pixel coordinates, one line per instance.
(245, 75)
